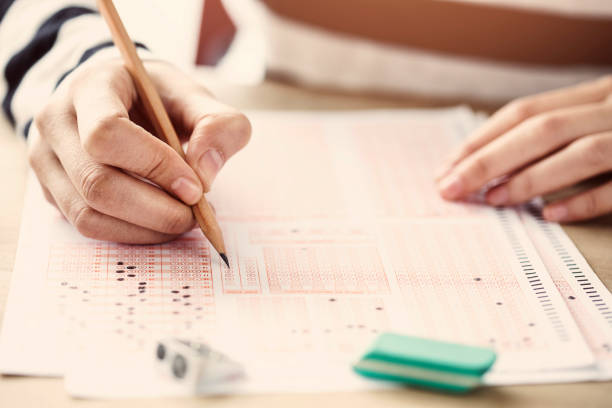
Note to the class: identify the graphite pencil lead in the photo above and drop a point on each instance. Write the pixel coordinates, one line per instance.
(224, 257)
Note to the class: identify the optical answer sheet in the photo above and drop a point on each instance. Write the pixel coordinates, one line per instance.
(589, 301)
(335, 233)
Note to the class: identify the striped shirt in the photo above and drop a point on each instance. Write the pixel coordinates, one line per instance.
(42, 42)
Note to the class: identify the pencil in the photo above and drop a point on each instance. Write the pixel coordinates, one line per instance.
(157, 114)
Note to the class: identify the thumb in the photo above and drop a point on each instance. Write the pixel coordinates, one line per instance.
(216, 137)
(216, 130)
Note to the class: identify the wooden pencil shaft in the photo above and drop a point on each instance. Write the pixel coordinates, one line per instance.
(156, 112)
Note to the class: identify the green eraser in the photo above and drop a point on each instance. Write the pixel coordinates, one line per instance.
(426, 363)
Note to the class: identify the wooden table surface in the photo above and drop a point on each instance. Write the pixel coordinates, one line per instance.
(593, 238)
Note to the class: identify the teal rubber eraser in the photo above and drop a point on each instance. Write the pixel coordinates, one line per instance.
(426, 363)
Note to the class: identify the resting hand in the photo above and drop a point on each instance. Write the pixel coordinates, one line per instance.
(93, 149)
(542, 143)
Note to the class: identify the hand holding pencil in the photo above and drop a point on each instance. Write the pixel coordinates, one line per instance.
(157, 114)
(94, 142)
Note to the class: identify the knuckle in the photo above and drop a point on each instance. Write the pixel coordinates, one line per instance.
(98, 139)
(55, 114)
(480, 168)
(176, 222)
(119, 77)
(523, 187)
(96, 72)
(548, 125)
(82, 217)
(77, 79)
(521, 108)
(43, 119)
(95, 180)
(595, 152)
(35, 153)
(156, 167)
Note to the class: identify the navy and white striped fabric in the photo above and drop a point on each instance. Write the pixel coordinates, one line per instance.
(41, 43)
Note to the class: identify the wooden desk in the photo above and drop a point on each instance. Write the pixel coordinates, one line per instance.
(593, 238)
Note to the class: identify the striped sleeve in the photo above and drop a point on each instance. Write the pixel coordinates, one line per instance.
(42, 43)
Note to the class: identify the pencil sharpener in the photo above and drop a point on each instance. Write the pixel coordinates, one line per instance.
(195, 365)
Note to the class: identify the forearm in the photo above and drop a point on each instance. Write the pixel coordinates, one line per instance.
(463, 29)
(42, 42)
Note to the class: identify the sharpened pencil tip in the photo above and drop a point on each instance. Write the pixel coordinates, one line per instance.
(224, 257)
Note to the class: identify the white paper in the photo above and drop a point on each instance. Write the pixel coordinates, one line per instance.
(335, 233)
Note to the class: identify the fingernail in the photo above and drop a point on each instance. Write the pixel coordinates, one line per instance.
(555, 213)
(186, 190)
(498, 196)
(451, 187)
(209, 165)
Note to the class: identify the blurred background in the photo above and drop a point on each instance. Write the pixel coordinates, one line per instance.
(483, 50)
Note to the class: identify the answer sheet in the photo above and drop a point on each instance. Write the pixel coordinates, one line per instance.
(335, 233)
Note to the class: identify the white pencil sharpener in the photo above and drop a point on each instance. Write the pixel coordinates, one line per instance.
(195, 365)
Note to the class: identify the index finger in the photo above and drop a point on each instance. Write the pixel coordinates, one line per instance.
(528, 142)
(522, 109)
(110, 137)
